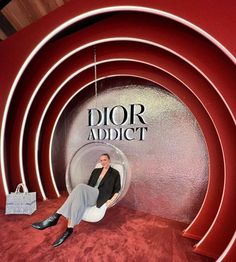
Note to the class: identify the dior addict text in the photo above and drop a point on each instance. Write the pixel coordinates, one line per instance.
(117, 123)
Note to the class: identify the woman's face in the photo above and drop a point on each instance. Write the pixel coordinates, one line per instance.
(105, 161)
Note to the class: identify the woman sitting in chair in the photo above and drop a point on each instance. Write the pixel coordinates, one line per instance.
(103, 188)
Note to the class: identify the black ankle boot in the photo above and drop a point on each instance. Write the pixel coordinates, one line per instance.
(63, 237)
(51, 221)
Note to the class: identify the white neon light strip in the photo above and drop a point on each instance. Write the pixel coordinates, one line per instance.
(63, 26)
(230, 245)
(220, 206)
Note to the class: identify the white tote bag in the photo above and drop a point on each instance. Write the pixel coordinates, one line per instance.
(21, 202)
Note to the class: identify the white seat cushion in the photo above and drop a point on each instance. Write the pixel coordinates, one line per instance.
(94, 214)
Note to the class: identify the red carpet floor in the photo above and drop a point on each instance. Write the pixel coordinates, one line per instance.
(123, 235)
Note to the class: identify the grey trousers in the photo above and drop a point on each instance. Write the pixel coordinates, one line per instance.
(81, 197)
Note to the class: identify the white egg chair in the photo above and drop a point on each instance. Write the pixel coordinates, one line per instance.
(82, 162)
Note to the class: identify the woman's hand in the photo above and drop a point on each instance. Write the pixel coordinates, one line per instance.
(109, 203)
(112, 200)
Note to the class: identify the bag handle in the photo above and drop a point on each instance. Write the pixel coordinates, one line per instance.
(23, 186)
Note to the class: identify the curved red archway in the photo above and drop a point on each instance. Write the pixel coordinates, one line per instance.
(58, 77)
(19, 117)
(216, 67)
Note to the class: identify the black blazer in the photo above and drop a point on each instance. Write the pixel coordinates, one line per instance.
(109, 185)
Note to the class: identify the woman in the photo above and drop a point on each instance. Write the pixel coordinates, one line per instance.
(103, 187)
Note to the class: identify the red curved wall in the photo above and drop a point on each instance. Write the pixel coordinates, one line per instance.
(175, 44)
